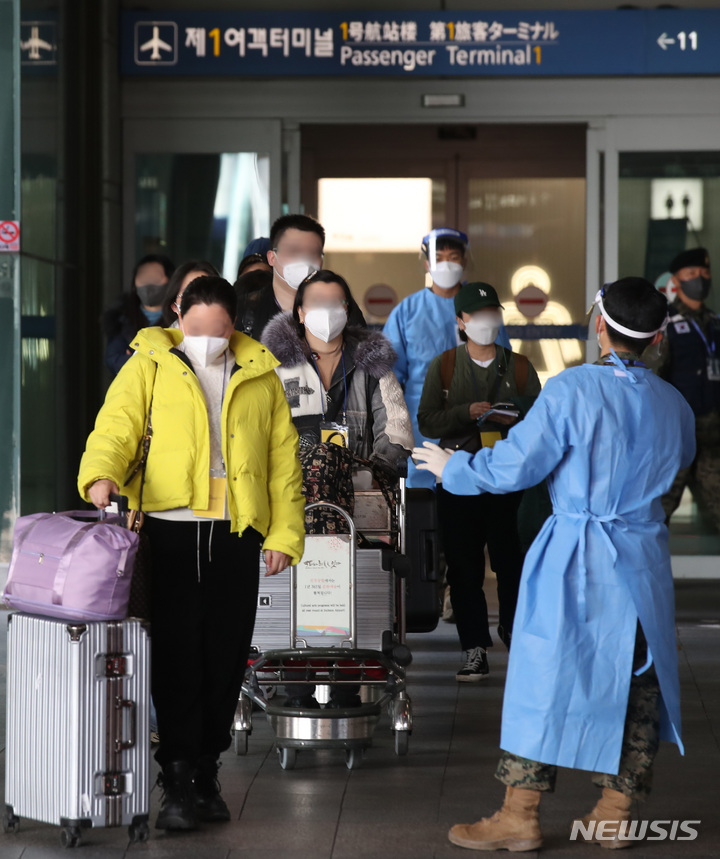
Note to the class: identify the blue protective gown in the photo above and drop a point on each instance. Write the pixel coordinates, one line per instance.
(422, 326)
(610, 442)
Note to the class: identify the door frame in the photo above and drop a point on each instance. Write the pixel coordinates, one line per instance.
(606, 142)
(185, 136)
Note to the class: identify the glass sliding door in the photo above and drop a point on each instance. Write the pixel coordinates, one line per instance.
(200, 190)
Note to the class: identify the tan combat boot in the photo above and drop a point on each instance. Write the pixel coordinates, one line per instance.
(612, 809)
(516, 827)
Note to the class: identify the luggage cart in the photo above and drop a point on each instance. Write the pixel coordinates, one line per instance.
(339, 600)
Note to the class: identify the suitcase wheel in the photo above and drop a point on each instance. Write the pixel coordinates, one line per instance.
(139, 832)
(70, 836)
(10, 823)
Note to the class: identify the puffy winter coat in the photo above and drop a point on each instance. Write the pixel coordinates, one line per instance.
(259, 441)
(376, 414)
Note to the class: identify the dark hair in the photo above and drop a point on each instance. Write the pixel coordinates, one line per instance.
(178, 276)
(445, 243)
(251, 259)
(295, 222)
(253, 281)
(634, 303)
(210, 290)
(132, 306)
(322, 276)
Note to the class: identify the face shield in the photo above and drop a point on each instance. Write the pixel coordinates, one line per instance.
(622, 329)
(446, 266)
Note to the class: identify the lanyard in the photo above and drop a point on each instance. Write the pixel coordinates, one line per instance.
(322, 403)
(709, 348)
(628, 362)
(474, 380)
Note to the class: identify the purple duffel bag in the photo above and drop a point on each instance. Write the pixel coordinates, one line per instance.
(74, 566)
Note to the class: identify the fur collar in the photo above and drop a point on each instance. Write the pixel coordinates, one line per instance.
(370, 351)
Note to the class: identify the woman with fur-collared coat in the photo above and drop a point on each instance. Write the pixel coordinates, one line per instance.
(334, 373)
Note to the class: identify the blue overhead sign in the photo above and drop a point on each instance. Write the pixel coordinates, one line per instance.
(520, 42)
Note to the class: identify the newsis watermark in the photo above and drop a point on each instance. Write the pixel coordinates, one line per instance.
(635, 830)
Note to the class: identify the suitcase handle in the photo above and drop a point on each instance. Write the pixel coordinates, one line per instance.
(120, 744)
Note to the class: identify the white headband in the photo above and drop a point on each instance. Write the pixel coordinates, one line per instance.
(628, 332)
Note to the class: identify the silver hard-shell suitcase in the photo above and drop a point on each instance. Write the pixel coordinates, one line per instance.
(78, 738)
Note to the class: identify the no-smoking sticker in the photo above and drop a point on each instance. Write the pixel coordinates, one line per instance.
(9, 237)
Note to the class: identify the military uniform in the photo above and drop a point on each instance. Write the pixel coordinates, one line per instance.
(641, 741)
(690, 361)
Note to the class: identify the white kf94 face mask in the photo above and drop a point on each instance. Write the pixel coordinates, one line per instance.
(483, 329)
(294, 273)
(203, 350)
(326, 322)
(446, 274)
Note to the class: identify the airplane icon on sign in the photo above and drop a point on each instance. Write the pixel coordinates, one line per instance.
(155, 44)
(160, 48)
(38, 48)
(34, 43)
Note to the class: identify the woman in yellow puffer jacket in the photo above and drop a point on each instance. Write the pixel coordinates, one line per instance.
(222, 474)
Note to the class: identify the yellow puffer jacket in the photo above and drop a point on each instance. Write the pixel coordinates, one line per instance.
(259, 441)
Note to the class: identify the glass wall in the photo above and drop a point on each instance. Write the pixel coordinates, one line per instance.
(9, 280)
(38, 268)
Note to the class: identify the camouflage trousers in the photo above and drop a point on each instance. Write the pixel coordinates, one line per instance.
(640, 742)
(703, 480)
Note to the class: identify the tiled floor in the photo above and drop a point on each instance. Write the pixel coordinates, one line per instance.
(403, 807)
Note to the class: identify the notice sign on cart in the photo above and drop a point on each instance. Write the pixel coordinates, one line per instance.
(323, 587)
(10, 237)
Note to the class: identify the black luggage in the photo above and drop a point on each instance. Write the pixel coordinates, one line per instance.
(422, 601)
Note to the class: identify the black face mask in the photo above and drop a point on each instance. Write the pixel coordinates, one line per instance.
(252, 281)
(151, 294)
(697, 288)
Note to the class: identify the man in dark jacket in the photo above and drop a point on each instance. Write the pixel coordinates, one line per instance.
(296, 251)
(690, 361)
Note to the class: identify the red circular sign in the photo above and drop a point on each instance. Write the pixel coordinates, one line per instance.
(531, 301)
(9, 232)
(380, 300)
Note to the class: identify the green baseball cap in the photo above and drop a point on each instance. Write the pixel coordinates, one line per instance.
(476, 296)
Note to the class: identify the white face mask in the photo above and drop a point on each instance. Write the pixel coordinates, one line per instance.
(294, 273)
(326, 322)
(446, 274)
(483, 329)
(203, 350)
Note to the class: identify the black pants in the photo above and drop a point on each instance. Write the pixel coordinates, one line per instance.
(467, 524)
(204, 597)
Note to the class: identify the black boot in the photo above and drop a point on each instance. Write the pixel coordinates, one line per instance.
(211, 807)
(177, 811)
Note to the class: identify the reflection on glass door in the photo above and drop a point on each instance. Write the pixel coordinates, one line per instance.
(202, 206)
(670, 201)
(531, 233)
(374, 231)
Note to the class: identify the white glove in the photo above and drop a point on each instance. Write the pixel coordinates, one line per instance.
(431, 457)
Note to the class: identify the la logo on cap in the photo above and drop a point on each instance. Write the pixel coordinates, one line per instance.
(483, 293)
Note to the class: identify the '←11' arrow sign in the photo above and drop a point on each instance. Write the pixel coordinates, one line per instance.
(683, 40)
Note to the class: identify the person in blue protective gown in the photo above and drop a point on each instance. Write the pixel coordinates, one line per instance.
(592, 679)
(424, 324)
